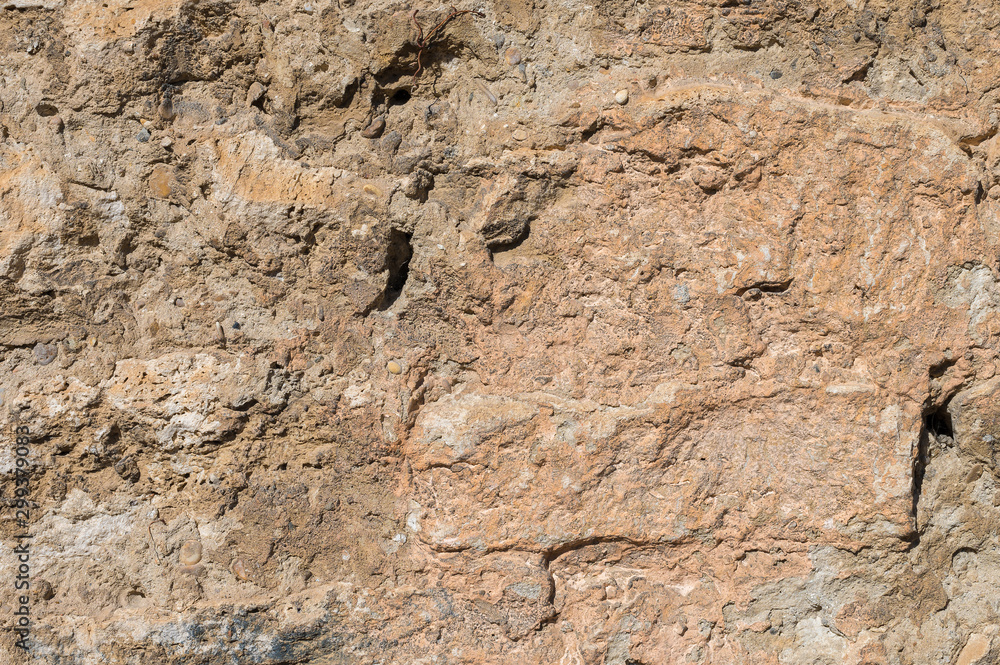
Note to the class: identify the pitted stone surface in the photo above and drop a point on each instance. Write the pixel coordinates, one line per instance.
(629, 332)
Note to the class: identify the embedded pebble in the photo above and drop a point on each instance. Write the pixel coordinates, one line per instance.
(393, 367)
(520, 135)
(621, 97)
(142, 136)
(375, 129)
(45, 353)
(220, 335)
(179, 302)
(167, 142)
(255, 92)
(159, 183)
(372, 189)
(513, 56)
(776, 74)
(239, 569)
(190, 553)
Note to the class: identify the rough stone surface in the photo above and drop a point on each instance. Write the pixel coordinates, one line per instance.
(610, 333)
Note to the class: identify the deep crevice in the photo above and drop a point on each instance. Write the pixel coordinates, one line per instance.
(919, 467)
(936, 422)
(398, 256)
(555, 552)
(767, 287)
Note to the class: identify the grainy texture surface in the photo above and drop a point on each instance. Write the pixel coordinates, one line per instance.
(631, 332)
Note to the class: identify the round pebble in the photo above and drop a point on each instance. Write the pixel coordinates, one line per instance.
(375, 129)
(45, 353)
(776, 74)
(394, 367)
(142, 136)
(190, 553)
(179, 302)
(513, 56)
(621, 97)
(520, 135)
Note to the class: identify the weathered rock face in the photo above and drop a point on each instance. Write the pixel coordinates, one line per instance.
(633, 332)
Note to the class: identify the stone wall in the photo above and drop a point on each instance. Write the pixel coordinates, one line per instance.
(528, 331)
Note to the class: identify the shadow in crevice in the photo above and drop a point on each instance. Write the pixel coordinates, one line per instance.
(936, 423)
(397, 260)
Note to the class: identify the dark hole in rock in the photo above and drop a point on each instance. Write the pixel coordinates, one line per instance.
(45, 110)
(399, 97)
(939, 370)
(397, 260)
(938, 423)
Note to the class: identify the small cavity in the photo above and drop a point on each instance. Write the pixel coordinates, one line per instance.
(398, 256)
(399, 97)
